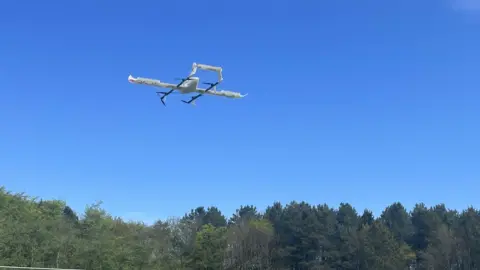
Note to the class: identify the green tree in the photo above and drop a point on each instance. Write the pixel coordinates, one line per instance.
(346, 239)
(398, 221)
(249, 240)
(48, 233)
(380, 250)
(210, 244)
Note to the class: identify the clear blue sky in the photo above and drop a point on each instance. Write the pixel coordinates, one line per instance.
(366, 102)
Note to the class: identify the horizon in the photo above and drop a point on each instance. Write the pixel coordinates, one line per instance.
(140, 216)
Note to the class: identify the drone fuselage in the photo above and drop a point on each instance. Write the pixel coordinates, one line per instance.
(189, 86)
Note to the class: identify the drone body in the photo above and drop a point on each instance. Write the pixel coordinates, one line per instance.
(189, 85)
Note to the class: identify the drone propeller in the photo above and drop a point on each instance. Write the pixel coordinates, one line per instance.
(209, 83)
(183, 79)
(166, 93)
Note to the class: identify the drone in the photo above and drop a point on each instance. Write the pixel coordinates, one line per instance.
(189, 85)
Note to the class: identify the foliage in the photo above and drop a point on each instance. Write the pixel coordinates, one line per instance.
(293, 236)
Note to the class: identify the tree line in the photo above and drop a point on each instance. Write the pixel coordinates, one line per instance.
(298, 235)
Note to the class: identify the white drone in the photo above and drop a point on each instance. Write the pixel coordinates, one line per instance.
(189, 85)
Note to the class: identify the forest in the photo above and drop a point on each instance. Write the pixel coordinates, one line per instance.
(298, 235)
